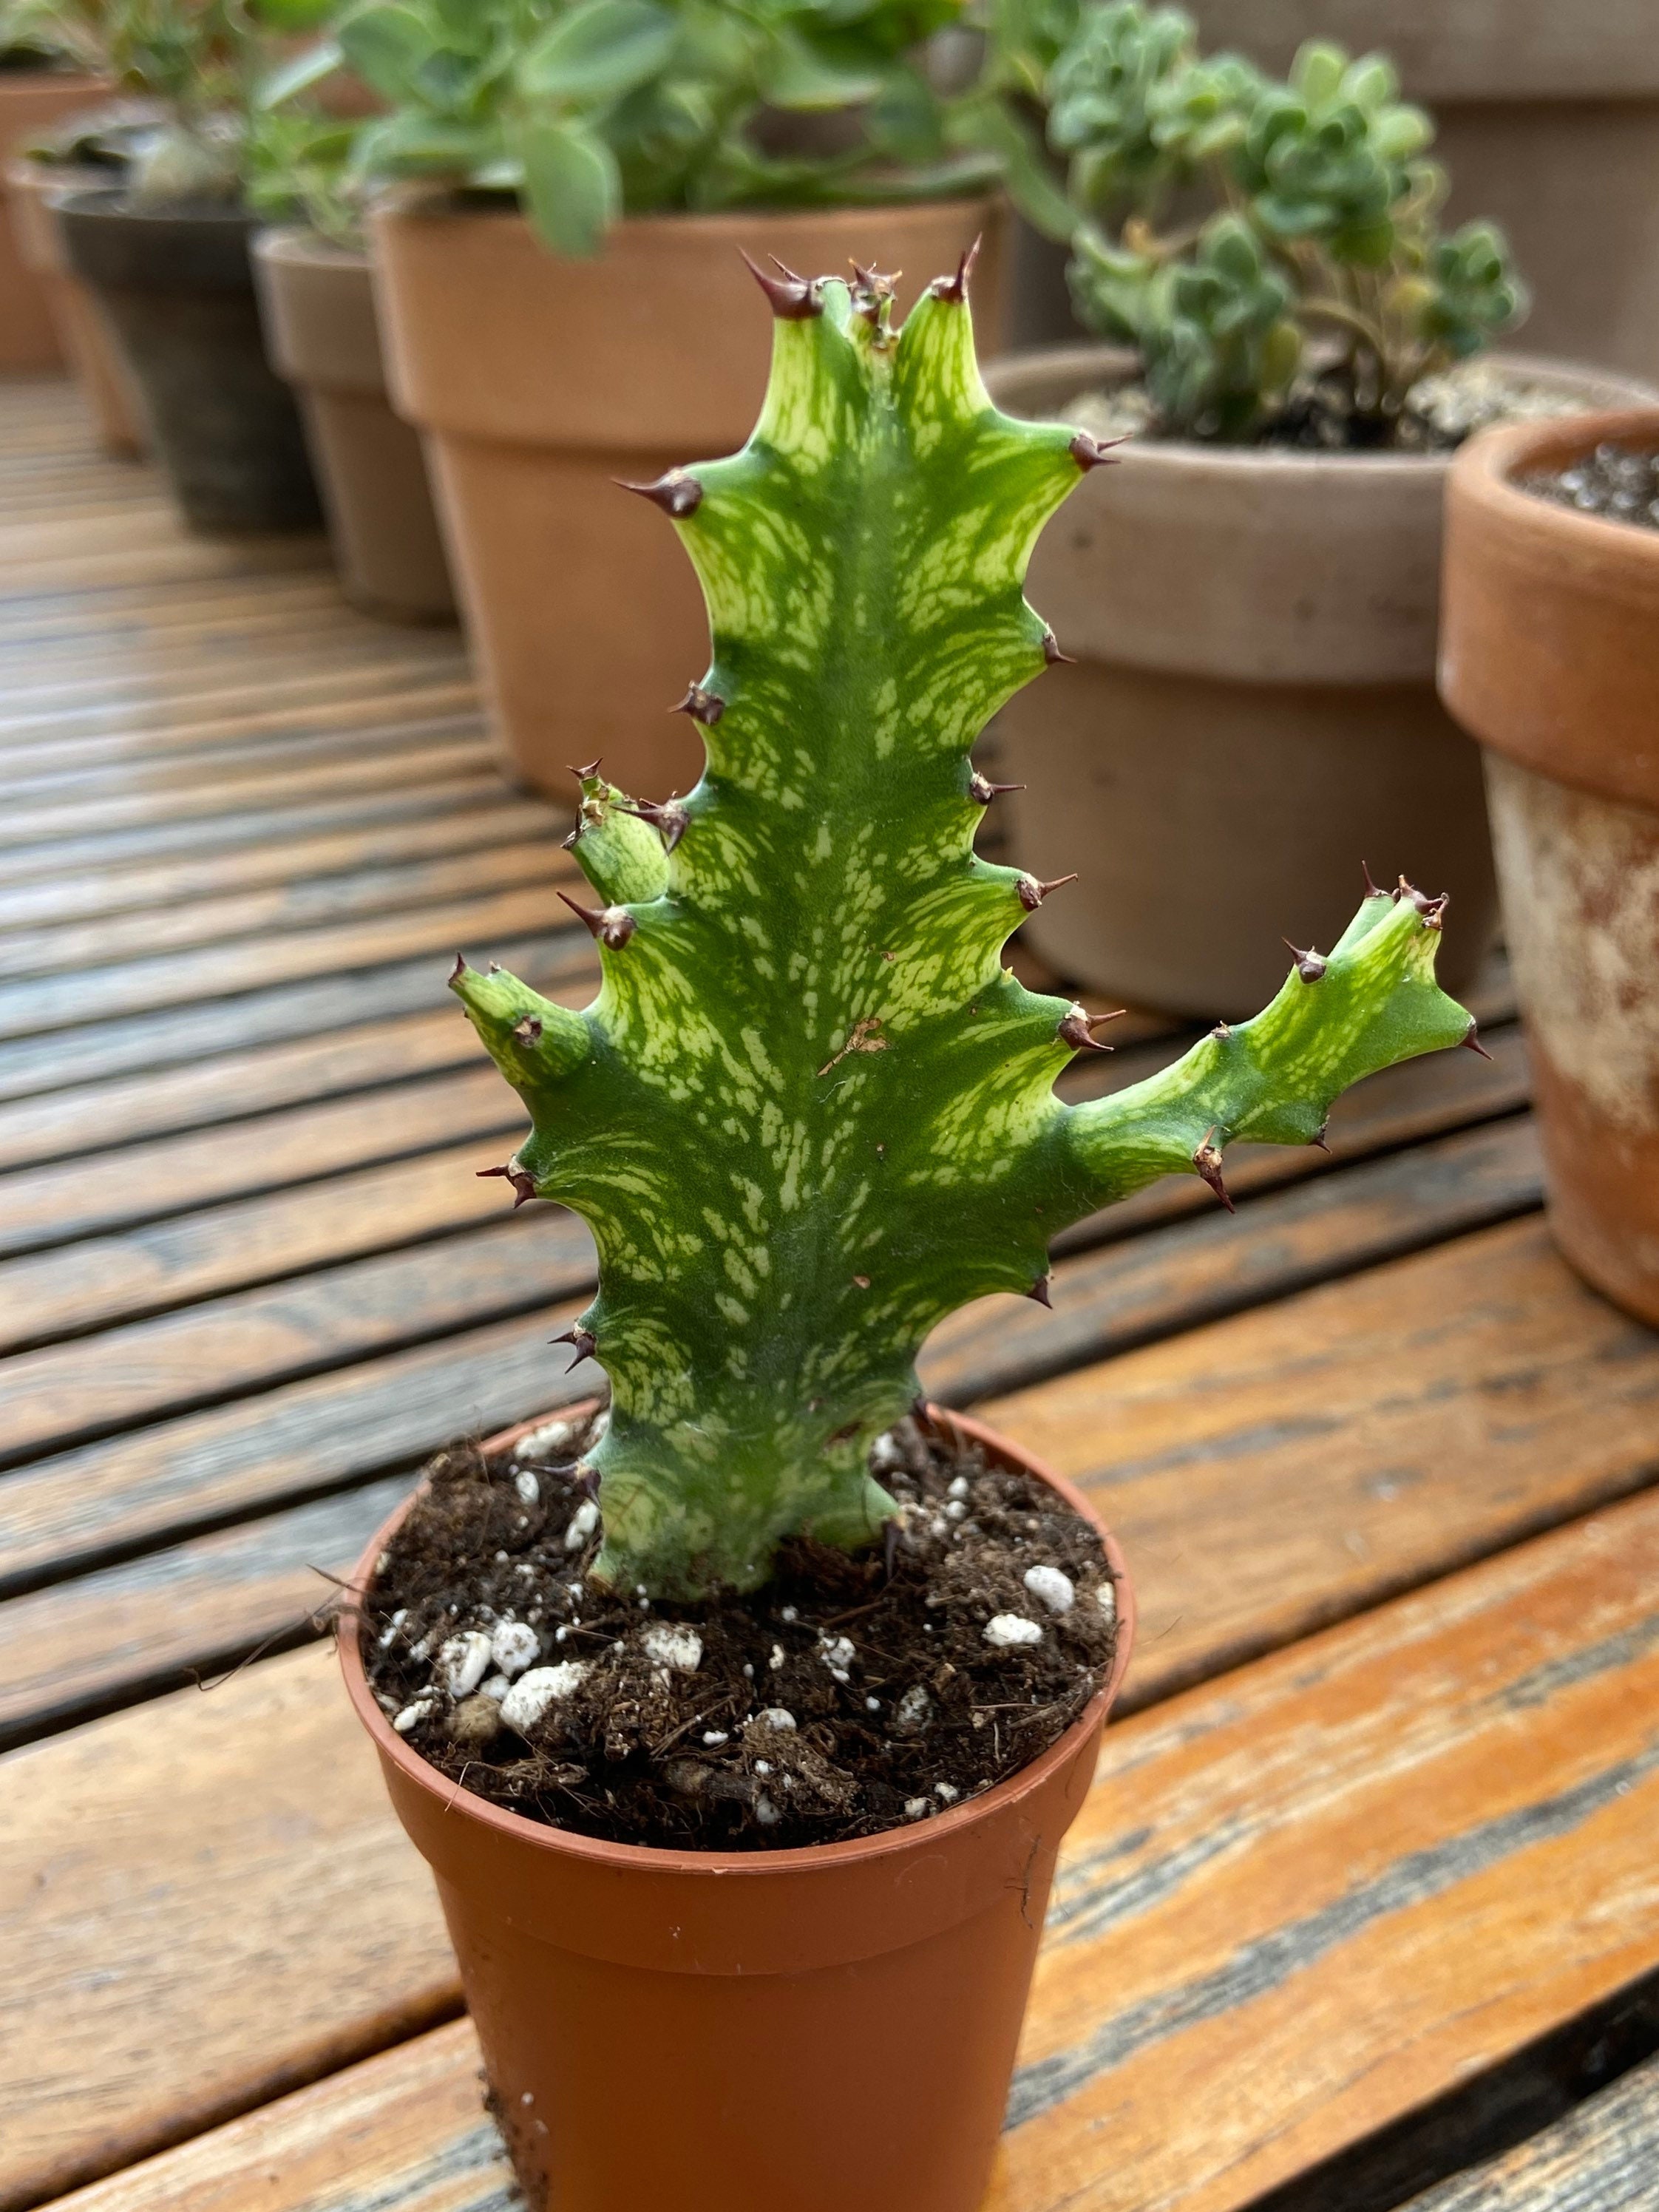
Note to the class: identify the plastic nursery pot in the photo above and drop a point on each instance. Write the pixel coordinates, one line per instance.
(317, 303)
(817, 2029)
(1253, 712)
(84, 336)
(178, 287)
(1547, 121)
(540, 381)
(31, 101)
(1550, 657)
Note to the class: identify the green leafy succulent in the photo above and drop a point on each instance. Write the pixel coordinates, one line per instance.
(591, 108)
(811, 1112)
(1324, 252)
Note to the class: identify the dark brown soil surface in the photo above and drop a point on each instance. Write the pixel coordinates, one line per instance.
(851, 1694)
(1614, 481)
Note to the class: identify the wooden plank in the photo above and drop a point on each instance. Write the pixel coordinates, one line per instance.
(1296, 1903)
(100, 1051)
(285, 907)
(245, 1342)
(1604, 2157)
(291, 865)
(162, 1880)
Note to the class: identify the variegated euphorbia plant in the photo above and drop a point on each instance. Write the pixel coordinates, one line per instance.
(810, 1111)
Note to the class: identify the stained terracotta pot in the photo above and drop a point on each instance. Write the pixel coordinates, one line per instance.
(1550, 657)
(31, 101)
(539, 381)
(84, 336)
(1253, 712)
(317, 303)
(178, 287)
(817, 2029)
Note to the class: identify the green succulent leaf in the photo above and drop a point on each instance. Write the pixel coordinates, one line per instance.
(571, 183)
(601, 50)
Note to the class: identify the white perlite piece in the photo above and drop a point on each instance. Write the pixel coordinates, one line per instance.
(1051, 1587)
(583, 1522)
(838, 1653)
(914, 1710)
(533, 1693)
(494, 1686)
(947, 1791)
(527, 1485)
(416, 1711)
(549, 1441)
(1106, 1599)
(958, 1487)
(514, 1646)
(777, 1662)
(766, 1811)
(885, 1455)
(464, 1661)
(672, 1645)
(1008, 1631)
(389, 1634)
(777, 1716)
(917, 1809)
(714, 1737)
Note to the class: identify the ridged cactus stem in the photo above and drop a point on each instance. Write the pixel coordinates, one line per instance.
(811, 1112)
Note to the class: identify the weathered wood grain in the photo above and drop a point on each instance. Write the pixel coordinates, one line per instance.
(81, 1390)
(1602, 2158)
(164, 1878)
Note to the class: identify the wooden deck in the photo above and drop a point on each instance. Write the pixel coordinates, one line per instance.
(1365, 1903)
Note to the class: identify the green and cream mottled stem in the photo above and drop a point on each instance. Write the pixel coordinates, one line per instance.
(811, 1112)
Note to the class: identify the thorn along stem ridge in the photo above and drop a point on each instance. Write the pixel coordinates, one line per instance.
(812, 1112)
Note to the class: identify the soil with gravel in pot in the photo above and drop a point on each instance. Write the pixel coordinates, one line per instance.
(1615, 482)
(851, 1694)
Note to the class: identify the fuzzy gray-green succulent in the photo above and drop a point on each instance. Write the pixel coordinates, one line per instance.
(810, 1111)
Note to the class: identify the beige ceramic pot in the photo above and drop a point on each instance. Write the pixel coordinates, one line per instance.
(1548, 123)
(1550, 656)
(84, 336)
(1253, 714)
(539, 381)
(830, 2029)
(317, 303)
(31, 101)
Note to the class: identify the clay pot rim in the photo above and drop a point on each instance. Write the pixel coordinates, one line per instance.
(806, 1858)
(416, 203)
(1369, 466)
(103, 203)
(1489, 464)
(298, 245)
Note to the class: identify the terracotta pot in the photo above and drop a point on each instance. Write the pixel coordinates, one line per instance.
(178, 288)
(1253, 714)
(539, 381)
(817, 2029)
(84, 336)
(1550, 656)
(317, 302)
(31, 101)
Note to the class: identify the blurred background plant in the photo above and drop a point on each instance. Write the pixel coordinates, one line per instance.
(1247, 235)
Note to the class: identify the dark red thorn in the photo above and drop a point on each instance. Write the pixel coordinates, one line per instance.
(792, 300)
(1318, 1138)
(1475, 1044)
(495, 967)
(1222, 1033)
(1092, 452)
(583, 1341)
(612, 926)
(1207, 1160)
(459, 969)
(982, 789)
(784, 269)
(1052, 653)
(523, 1182)
(669, 820)
(1040, 1290)
(1372, 890)
(586, 1479)
(955, 289)
(919, 1410)
(581, 774)
(1031, 893)
(1310, 965)
(704, 707)
(529, 1031)
(570, 842)
(1075, 1031)
(676, 492)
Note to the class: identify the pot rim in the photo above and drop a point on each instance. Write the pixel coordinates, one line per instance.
(1370, 464)
(802, 1859)
(296, 245)
(101, 203)
(1488, 465)
(422, 202)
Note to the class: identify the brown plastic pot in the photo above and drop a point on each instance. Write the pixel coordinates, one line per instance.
(1550, 657)
(1548, 123)
(1253, 712)
(84, 336)
(31, 101)
(317, 304)
(818, 2030)
(538, 382)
